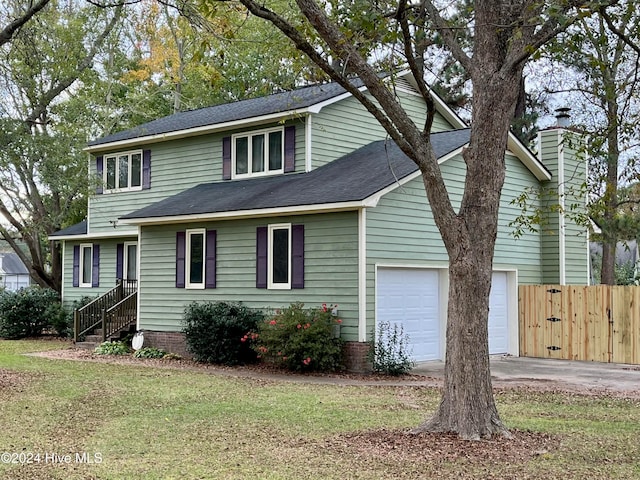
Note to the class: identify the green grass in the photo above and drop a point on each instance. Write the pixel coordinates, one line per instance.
(153, 423)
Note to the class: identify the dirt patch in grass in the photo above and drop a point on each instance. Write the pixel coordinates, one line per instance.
(11, 381)
(399, 445)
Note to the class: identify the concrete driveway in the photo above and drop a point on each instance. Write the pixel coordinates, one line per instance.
(588, 375)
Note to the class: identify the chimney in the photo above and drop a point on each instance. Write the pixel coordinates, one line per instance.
(562, 117)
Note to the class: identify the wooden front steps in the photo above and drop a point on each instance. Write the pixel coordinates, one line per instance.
(91, 341)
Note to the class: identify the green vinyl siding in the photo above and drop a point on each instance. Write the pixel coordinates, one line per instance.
(557, 144)
(331, 260)
(345, 126)
(401, 229)
(107, 269)
(176, 165)
(576, 240)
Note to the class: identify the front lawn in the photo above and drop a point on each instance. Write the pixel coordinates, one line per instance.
(83, 420)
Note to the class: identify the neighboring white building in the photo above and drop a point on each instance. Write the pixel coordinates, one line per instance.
(14, 275)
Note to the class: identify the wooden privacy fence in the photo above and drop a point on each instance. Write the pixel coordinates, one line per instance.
(573, 322)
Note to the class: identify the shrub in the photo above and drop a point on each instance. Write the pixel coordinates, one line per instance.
(299, 339)
(60, 320)
(213, 330)
(68, 320)
(390, 353)
(112, 348)
(150, 352)
(25, 313)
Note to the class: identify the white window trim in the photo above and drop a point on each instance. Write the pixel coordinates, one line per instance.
(117, 189)
(270, 284)
(82, 284)
(187, 266)
(125, 259)
(248, 135)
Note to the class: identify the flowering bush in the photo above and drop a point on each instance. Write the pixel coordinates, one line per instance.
(299, 339)
(391, 352)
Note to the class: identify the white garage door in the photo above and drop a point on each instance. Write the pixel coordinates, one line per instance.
(498, 314)
(410, 298)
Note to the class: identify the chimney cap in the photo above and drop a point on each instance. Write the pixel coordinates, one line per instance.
(562, 116)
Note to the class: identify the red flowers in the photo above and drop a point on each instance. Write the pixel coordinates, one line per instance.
(307, 361)
(272, 322)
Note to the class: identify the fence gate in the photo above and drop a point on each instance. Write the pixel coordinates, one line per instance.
(574, 322)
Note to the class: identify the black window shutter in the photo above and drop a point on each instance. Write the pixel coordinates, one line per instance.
(289, 149)
(146, 169)
(95, 271)
(210, 261)
(226, 158)
(99, 170)
(297, 256)
(119, 261)
(261, 257)
(181, 250)
(76, 265)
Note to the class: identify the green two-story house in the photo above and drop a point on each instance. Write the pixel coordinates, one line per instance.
(301, 197)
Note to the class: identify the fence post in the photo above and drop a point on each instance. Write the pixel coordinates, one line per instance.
(104, 325)
(76, 325)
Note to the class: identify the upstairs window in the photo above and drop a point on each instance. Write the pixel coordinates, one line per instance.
(123, 172)
(258, 153)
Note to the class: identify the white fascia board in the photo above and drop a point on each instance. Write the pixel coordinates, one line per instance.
(441, 107)
(375, 198)
(319, 106)
(527, 158)
(513, 144)
(191, 132)
(258, 213)
(98, 235)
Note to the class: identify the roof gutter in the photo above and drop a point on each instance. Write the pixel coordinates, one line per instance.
(97, 235)
(258, 213)
(191, 132)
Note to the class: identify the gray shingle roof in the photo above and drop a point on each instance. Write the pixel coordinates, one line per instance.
(11, 264)
(354, 177)
(77, 229)
(228, 112)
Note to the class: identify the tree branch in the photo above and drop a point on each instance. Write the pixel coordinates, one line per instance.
(62, 85)
(417, 72)
(448, 37)
(12, 28)
(624, 37)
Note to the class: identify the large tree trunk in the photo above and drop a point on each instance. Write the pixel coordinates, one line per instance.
(467, 406)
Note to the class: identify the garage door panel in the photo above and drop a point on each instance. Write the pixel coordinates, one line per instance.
(498, 314)
(410, 298)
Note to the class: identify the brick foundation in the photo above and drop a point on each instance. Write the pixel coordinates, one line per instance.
(355, 357)
(172, 342)
(355, 353)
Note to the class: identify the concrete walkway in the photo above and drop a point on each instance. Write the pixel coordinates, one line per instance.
(609, 376)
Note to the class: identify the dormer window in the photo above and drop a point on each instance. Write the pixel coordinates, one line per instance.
(123, 171)
(258, 153)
